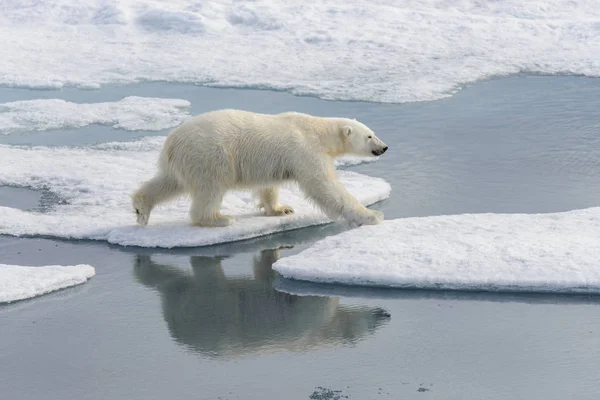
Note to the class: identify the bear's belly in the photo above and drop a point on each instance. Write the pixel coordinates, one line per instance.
(269, 173)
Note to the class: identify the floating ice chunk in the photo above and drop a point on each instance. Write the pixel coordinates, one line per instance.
(508, 252)
(130, 113)
(20, 282)
(95, 184)
(349, 161)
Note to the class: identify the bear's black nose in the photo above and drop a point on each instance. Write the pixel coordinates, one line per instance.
(384, 149)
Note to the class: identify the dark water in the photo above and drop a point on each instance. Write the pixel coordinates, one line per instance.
(218, 323)
(21, 198)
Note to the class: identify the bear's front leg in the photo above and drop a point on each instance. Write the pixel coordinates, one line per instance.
(323, 187)
(269, 201)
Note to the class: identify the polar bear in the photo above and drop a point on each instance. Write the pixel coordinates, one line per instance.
(223, 150)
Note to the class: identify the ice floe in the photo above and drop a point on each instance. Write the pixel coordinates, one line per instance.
(94, 185)
(130, 113)
(555, 252)
(23, 282)
(384, 50)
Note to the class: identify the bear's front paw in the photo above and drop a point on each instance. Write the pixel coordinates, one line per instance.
(364, 217)
(280, 210)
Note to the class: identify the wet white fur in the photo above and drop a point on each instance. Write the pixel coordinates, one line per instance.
(213, 153)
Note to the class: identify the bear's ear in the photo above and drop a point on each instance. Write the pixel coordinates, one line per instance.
(346, 130)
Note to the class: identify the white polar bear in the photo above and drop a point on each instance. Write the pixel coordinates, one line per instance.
(212, 153)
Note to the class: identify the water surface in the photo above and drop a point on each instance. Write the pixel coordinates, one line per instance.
(218, 323)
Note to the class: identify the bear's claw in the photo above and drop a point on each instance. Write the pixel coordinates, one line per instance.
(279, 211)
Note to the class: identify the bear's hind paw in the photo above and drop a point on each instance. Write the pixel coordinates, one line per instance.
(219, 220)
(279, 211)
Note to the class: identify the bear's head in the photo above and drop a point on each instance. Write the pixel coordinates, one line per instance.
(361, 140)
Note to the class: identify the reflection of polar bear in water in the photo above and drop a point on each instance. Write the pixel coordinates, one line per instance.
(213, 153)
(222, 316)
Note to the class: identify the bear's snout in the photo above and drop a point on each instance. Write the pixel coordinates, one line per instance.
(379, 152)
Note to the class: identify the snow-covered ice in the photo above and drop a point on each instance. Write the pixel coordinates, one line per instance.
(95, 183)
(507, 252)
(349, 161)
(381, 50)
(21, 282)
(130, 113)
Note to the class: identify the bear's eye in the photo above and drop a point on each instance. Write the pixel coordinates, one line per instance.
(369, 137)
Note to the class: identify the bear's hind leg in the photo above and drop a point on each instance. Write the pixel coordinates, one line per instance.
(269, 201)
(157, 190)
(205, 207)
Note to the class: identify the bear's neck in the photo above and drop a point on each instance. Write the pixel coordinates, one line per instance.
(331, 138)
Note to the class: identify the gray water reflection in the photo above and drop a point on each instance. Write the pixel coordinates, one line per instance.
(220, 316)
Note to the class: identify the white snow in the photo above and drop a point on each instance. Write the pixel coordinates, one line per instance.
(96, 183)
(21, 282)
(508, 252)
(349, 161)
(130, 113)
(381, 50)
